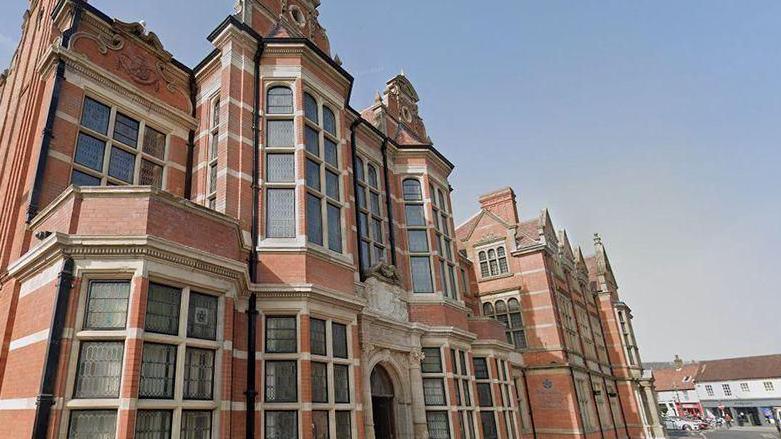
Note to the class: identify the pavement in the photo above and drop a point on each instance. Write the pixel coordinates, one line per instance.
(732, 433)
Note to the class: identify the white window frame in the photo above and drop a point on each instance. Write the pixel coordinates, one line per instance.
(289, 149)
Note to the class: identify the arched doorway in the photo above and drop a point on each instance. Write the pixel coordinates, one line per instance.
(382, 404)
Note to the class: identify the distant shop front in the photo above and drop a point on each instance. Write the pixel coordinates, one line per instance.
(747, 412)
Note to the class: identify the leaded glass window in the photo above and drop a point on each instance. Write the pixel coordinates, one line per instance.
(107, 305)
(281, 424)
(202, 317)
(480, 367)
(198, 373)
(341, 383)
(319, 382)
(107, 149)
(280, 213)
(493, 262)
(320, 424)
(421, 274)
(153, 424)
(92, 424)
(281, 335)
(281, 381)
(434, 391)
(280, 133)
(196, 424)
(339, 334)
(438, 427)
(280, 168)
(489, 425)
(484, 397)
(162, 309)
(432, 361)
(317, 336)
(314, 222)
(279, 100)
(418, 241)
(310, 108)
(344, 425)
(414, 215)
(412, 191)
(158, 367)
(99, 369)
(329, 121)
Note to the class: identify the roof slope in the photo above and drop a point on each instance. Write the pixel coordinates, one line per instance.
(765, 366)
(671, 378)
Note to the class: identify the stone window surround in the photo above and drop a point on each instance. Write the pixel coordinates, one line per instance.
(494, 245)
(297, 183)
(463, 379)
(444, 354)
(428, 221)
(81, 335)
(212, 159)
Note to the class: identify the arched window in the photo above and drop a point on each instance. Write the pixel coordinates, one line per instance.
(412, 190)
(500, 306)
(513, 305)
(310, 108)
(371, 223)
(329, 121)
(214, 135)
(279, 100)
(488, 309)
(372, 176)
(510, 315)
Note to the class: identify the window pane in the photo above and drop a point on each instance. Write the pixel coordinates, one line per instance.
(158, 367)
(484, 395)
(93, 424)
(480, 367)
(334, 228)
(489, 425)
(432, 361)
(95, 116)
(437, 425)
(418, 241)
(89, 152)
(126, 130)
(319, 382)
(341, 383)
(198, 373)
(279, 100)
(343, 425)
(379, 254)
(360, 198)
(281, 334)
(310, 108)
(99, 369)
(329, 120)
(331, 155)
(434, 391)
(374, 203)
(412, 191)
(280, 213)
(372, 176)
(414, 215)
(320, 424)
(196, 424)
(452, 278)
(317, 336)
(421, 274)
(213, 177)
(82, 179)
(281, 425)
(376, 230)
(314, 220)
(279, 168)
(313, 175)
(280, 133)
(154, 143)
(339, 335)
(107, 305)
(332, 185)
(153, 424)
(359, 168)
(151, 174)
(121, 165)
(214, 146)
(281, 385)
(312, 141)
(365, 256)
(202, 317)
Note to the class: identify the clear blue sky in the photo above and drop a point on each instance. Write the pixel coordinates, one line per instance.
(655, 123)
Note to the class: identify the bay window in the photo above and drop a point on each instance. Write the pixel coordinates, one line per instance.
(108, 152)
(443, 229)
(417, 237)
(371, 217)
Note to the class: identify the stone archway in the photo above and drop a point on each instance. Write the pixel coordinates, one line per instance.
(396, 379)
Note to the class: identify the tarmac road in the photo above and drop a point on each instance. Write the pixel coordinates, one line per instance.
(733, 433)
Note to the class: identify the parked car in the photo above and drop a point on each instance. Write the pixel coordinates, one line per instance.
(678, 423)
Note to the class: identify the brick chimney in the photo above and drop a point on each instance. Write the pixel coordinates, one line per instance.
(502, 204)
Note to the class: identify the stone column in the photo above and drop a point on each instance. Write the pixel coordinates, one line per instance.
(416, 390)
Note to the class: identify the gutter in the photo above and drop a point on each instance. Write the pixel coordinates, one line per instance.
(45, 399)
(35, 195)
(354, 156)
(188, 176)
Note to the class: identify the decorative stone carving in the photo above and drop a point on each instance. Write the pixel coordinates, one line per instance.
(383, 294)
(139, 30)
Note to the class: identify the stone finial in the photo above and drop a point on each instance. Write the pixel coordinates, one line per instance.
(597, 239)
(678, 362)
(337, 60)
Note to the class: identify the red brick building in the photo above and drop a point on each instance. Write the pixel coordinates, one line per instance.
(232, 250)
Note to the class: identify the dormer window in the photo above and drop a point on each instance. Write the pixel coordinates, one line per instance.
(493, 261)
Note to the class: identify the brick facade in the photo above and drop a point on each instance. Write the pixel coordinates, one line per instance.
(155, 216)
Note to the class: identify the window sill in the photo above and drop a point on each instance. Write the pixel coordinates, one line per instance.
(498, 276)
